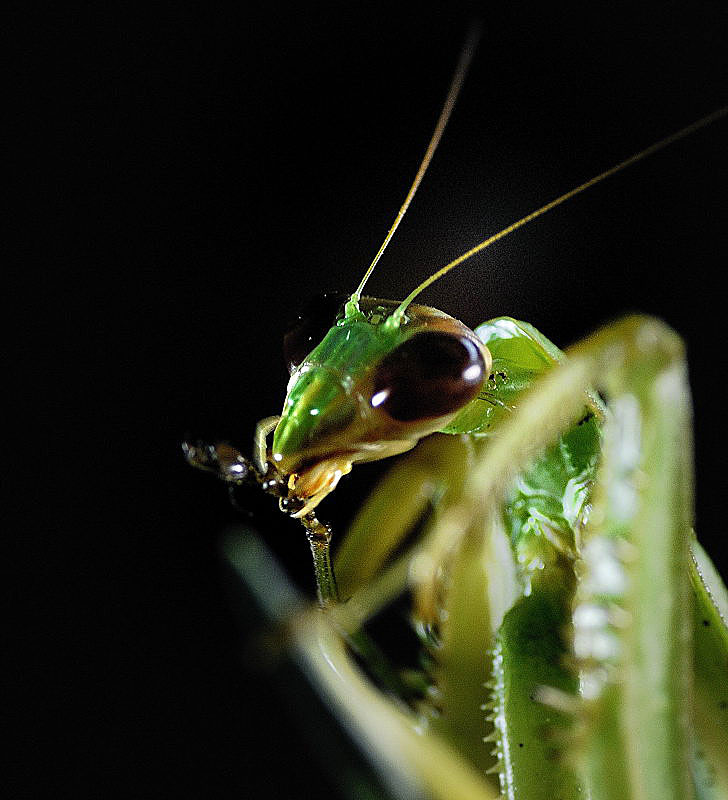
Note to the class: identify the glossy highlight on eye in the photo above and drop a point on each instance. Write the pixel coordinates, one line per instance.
(431, 374)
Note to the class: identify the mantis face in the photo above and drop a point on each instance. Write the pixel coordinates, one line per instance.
(372, 388)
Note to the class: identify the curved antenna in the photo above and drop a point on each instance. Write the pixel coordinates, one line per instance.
(673, 137)
(466, 56)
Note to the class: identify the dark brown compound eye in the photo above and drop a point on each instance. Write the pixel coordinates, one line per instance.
(310, 327)
(429, 375)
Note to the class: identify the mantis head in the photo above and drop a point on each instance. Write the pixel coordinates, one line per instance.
(377, 383)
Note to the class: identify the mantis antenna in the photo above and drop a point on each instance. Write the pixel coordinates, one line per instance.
(648, 151)
(466, 56)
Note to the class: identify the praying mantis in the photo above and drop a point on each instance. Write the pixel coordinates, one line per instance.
(572, 631)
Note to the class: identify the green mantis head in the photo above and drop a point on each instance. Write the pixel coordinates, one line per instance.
(373, 387)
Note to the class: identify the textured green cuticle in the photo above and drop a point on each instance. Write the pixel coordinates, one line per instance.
(530, 736)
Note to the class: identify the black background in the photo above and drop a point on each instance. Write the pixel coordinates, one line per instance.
(193, 174)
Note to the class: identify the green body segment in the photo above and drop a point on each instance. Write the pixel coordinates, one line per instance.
(530, 737)
(542, 516)
(710, 611)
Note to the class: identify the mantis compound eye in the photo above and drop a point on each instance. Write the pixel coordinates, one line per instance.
(430, 375)
(310, 327)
